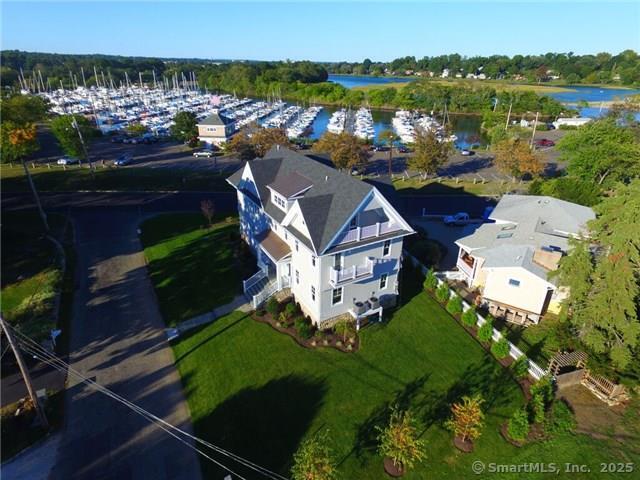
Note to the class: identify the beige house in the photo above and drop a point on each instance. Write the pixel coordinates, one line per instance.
(509, 261)
(216, 129)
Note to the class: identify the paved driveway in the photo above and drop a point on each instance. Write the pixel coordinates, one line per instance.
(117, 340)
(437, 230)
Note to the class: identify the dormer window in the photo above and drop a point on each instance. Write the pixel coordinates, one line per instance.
(278, 200)
(354, 223)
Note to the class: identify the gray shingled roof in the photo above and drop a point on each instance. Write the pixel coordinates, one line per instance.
(326, 206)
(216, 119)
(290, 184)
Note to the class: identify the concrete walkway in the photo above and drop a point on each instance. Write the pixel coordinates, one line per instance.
(34, 463)
(238, 303)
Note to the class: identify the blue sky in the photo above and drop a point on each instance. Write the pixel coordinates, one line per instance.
(319, 31)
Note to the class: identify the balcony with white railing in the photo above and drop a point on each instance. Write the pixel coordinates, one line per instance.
(465, 264)
(358, 234)
(341, 276)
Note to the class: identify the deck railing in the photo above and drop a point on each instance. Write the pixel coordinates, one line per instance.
(252, 280)
(354, 272)
(368, 231)
(264, 294)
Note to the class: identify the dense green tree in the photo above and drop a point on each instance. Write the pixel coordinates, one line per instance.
(514, 157)
(184, 127)
(429, 152)
(23, 109)
(601, 151)
(344, 149)
(66, 127)
(605, 287)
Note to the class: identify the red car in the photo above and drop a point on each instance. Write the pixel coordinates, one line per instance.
(545, 142)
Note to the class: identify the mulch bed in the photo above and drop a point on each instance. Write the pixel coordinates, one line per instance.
(465, 446)
(329, 339)
(391, 469)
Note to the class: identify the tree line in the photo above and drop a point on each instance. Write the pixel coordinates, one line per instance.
(605, 68)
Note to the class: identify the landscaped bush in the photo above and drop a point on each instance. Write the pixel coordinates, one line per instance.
(518, 425)
(454, 305)
(485, 332)
(521, 367)
(442, 293)
(536, 407)
(290, 310)
(500, 349)
(400, 440)
(283, 319)
(430, 281)
(560, 420)
(304, 329)
(273, 307)
(544, 388)
(344, 329)
(470, 317)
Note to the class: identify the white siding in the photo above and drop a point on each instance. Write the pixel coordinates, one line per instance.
(530, 295)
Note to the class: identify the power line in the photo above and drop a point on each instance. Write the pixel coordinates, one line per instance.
(33, 348)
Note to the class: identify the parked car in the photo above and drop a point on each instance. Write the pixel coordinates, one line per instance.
(403, 149)
(466, 152)
(459, 218)
(124, 159)
(67, 160)
(545, 142)
(203, 153)
(380, 148)
(117, 139)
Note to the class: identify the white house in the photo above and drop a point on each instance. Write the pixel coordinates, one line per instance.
(333, 239)
(509, 261)
(571, 122)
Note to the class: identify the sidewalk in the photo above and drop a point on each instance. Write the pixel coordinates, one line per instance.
(238, 303)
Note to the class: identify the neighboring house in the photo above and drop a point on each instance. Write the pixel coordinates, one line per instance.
(509, 261)
(215, 129)
(571, 122)
(334, 240)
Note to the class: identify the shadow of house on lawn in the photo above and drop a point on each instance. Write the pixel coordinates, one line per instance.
(263, 424)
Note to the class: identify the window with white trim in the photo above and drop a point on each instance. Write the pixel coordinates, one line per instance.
(297, 277)
(297, 247)
(313, 293)
(383, 281)
(336, 296)
(386, 248)
(313, 260)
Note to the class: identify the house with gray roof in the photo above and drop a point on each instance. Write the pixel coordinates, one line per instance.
(332, 239)
(510, 260)
(215, 129)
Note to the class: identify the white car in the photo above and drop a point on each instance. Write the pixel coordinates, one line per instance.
(67, 160)
(203, 153)
(459, 218)
(466, 153)
(123, 160)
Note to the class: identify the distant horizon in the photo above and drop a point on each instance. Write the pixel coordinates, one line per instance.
(319, 32)
(215, 59)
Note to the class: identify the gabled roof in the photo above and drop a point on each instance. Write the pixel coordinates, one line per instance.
(216, 119)
(326, 206)
(291, 184)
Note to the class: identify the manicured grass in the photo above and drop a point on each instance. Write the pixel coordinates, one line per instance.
(125, 179)
(257, 393)
(193, 268)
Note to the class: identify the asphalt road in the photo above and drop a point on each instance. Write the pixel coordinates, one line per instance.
(118, 340)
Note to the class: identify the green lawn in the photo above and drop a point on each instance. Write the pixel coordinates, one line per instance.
(193, 268)
(125, 179)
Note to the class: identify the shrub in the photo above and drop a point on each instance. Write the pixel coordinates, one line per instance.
(467, 418)
(454, 305)
(273, 307)
(344, 329)
(430, 281)
(314, 459)
(521, 367)
(304, 329)
(290, 309)
(442, 293)
(260, 312)
(544, 388)
(400, 441)
(518, 425)
(470, 317)
(500, 349)
(561, 419)
(283, 318)
(536, 406)
(485, 332)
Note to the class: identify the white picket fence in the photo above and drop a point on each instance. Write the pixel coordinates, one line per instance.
(514, 352)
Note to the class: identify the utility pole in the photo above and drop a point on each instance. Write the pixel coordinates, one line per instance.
(43, 215)
(506, 125)
(75, 125)
(535, 125)
(25, 373)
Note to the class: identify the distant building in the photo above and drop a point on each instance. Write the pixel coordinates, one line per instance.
(216, 129)
(572, 122)
(509, 261)
(445, 73)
